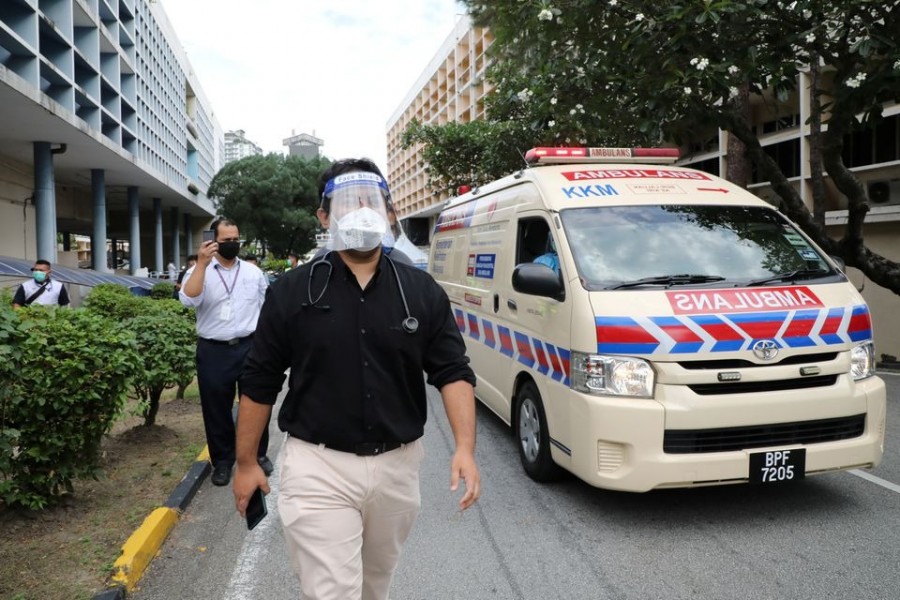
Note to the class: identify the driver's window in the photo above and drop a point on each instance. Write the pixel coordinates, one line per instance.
(534, 244)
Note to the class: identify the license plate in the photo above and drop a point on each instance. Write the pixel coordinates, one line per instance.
(778, 465)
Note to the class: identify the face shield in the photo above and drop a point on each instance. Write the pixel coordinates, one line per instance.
(358, 218)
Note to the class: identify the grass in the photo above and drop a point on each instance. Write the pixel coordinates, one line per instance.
(67, 553)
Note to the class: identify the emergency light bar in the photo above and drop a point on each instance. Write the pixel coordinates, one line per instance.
(560, 155)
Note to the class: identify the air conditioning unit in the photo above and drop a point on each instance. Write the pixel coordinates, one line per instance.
(884, 192)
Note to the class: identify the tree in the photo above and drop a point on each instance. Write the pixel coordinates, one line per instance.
(635, 72)
(272, 198)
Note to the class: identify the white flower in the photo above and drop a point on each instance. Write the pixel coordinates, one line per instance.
(523, 95)
(733, 92)
(545, 15)
(733, 69)
(613, 2)
(810, 38)
(572, 111)
(855, 82)
(639, 17)
(897, 66)
(551, 123)
(700, 63)
(687, 90)
(553, 101)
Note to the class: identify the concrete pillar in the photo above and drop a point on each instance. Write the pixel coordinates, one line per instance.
(188, 235)
(158, 265)
(98, 239)
(134, 232)
(176, 237)
(44, 202)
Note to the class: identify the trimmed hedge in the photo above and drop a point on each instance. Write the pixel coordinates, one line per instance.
(65, 375)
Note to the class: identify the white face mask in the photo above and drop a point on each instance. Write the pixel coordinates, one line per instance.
(363, 229)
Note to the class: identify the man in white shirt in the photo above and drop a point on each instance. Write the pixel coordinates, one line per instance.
(40, 289)
(227, 294)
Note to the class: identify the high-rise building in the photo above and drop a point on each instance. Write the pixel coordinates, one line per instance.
(304, 145)
(237, 146)
(450, 89)
(104, 132)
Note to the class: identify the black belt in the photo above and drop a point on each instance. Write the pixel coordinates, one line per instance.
(363, 448)
(232, 342)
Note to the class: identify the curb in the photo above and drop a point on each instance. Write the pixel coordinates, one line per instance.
(145, 542)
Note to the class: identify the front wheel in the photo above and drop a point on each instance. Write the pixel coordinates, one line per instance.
(532, 436)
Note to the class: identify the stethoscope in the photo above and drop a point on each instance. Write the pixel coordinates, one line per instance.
(410, 324)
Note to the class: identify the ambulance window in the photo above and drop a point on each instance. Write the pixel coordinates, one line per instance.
(533, 239)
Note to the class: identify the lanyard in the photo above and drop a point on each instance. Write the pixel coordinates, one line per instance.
(233, 281)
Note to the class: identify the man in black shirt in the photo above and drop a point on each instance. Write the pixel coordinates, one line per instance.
(357, 330)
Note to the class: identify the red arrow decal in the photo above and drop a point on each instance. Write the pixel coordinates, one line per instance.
(723, 190)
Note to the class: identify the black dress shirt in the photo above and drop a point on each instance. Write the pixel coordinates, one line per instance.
(356, 374)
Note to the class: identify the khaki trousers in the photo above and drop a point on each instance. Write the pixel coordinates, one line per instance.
(346, 517)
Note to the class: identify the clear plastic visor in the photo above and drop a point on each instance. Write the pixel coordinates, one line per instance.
(358, 201)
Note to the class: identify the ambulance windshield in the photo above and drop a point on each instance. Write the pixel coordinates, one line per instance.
(634, 247)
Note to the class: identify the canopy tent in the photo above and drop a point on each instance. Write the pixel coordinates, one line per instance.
(18, 267)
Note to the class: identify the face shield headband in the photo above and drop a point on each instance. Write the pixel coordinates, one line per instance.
(358, 215)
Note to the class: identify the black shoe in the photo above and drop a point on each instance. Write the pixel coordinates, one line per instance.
(266, 465)
(221, 474)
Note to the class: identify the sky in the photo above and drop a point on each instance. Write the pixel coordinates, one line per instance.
(336, 69)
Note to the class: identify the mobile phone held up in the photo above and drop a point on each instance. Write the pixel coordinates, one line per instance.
(209, 235)
(256, 509)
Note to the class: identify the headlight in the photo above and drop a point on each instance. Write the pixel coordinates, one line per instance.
(611, 375)
(862, 361)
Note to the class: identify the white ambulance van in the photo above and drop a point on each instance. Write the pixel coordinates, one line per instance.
(691, 334)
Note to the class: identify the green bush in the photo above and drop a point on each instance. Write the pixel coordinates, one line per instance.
(164, 290)
(114, 301)
(66, 374)
(166, 341)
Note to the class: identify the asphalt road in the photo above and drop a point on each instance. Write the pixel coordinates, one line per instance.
(834, 536)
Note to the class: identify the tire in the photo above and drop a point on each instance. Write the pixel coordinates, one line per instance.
(532, 435)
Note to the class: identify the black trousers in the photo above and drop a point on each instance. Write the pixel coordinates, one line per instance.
(218, 370)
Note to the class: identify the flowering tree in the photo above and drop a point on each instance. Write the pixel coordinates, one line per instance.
(635, 72)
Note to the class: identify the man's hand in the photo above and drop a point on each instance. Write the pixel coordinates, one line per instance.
(206, 252)
(463, 467)
(246, 480)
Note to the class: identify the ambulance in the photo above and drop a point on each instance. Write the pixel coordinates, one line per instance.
(675, 331)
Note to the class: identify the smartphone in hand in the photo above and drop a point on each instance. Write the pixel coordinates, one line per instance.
(209, 235)
(256, 508)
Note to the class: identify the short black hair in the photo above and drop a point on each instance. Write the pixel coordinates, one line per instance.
(222, 221)
(41, 261)
(347, 165)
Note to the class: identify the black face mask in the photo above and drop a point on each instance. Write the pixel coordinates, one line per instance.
(229, 250)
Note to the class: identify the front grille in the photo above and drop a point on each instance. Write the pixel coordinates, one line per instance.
(727, 439)
(718, 365)
(752, 387)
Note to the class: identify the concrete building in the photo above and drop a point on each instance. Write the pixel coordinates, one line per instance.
(104, 132)
(304, 145)
(451, 89)
(237, 146)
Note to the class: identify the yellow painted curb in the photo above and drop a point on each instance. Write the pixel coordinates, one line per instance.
(142, 546)
(204, 455)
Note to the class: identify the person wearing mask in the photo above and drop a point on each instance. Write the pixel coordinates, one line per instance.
(227, 294)
(357, 329)
(293, 261)
(41, 289)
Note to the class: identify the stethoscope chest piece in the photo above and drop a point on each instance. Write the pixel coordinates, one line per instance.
(410, 324)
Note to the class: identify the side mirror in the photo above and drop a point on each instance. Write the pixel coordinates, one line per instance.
(538, 280)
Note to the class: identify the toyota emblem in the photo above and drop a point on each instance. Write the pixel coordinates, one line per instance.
(765, 349)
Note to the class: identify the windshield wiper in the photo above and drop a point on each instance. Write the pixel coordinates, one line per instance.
(789, 276)
(667, 280)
